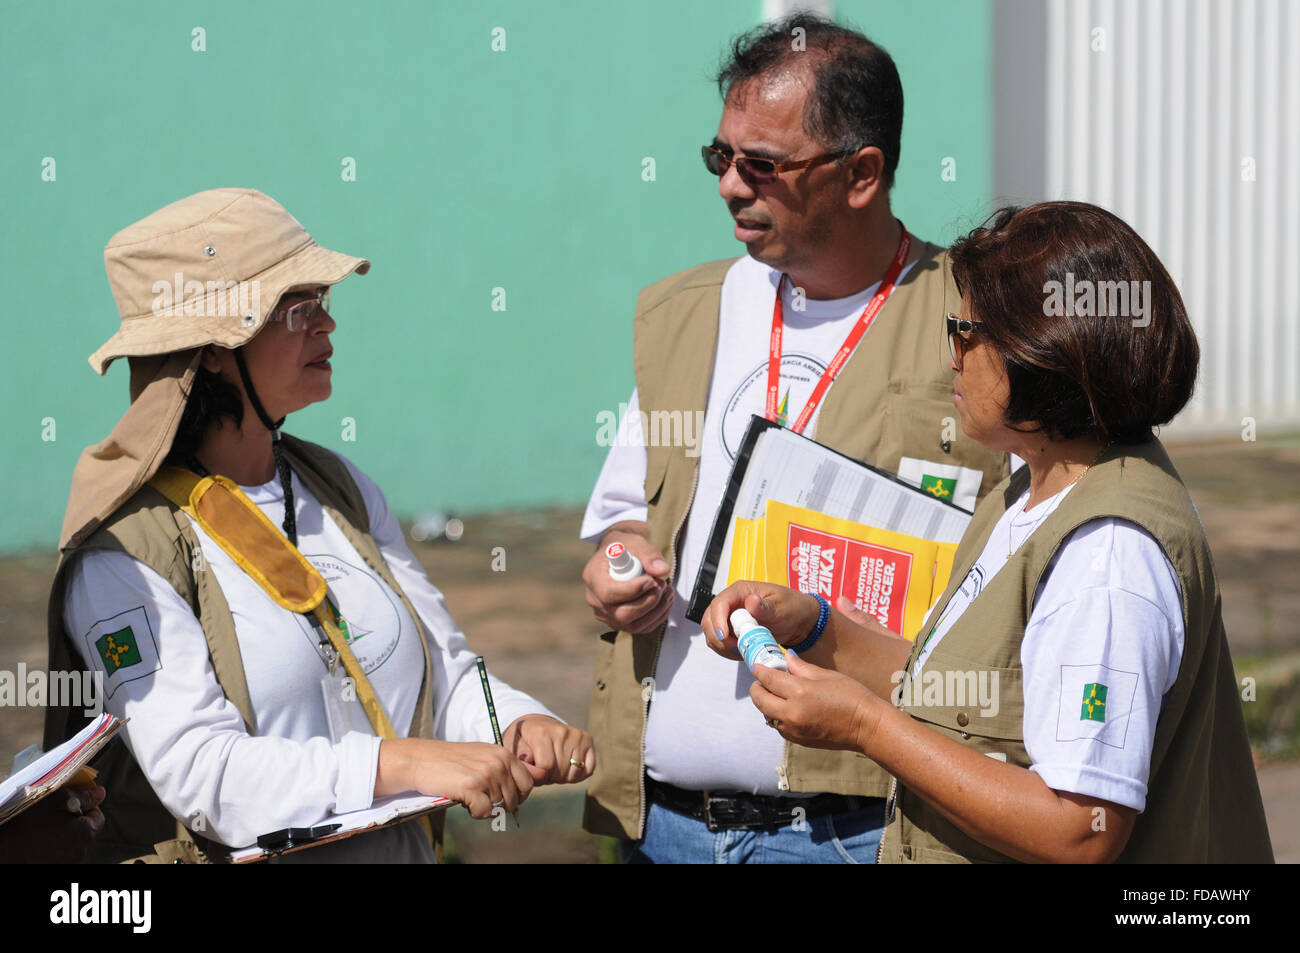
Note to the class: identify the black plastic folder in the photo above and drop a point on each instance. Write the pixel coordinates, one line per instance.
(779, 464)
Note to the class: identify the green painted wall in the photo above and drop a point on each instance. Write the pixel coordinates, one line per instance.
(476, 169)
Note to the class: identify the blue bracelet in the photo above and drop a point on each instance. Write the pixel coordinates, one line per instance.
(823, 616)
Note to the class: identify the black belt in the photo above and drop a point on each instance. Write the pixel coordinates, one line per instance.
(733, 810)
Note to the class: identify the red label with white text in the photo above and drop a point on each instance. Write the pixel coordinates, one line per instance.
(873, 577)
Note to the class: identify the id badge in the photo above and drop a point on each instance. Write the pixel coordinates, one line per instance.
(343, 709)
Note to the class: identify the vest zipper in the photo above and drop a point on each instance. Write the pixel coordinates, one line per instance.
(890, 802)
(654, 664)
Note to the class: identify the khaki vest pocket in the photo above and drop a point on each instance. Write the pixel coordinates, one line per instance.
(976, 703)
(923, 443)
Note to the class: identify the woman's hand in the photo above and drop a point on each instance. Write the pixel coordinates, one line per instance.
(815, 707)
(788, 614)
(57, 830)
(855, 615)
(549, 748)
(475, 774)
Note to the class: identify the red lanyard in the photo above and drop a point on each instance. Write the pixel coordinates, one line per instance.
(860, 328)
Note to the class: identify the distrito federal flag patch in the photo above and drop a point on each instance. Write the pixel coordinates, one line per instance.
(939, 487)
(124, 648)
(1094, 704)
(118, 650)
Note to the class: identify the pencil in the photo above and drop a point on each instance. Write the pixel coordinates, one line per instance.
(492, 710)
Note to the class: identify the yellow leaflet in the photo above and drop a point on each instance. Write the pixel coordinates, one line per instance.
(888, 575)
(741, 541)
(758, 550)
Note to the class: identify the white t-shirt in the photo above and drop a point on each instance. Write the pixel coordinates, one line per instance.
(1101, 649)
(190, 740)
(703, 731)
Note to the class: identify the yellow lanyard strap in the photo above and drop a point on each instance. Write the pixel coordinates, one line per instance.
(242, 530)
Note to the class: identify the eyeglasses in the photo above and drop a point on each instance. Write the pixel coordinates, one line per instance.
(758, 171)
(300, 314)
(958, 331)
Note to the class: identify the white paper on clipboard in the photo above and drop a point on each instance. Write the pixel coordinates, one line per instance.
(383, 812)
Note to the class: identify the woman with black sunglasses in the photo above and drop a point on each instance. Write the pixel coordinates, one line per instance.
(1070, 697)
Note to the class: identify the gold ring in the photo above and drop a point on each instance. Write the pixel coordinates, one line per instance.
(576, 763)
(774, 723)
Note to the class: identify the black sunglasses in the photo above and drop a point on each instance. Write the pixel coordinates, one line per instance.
(758, 171)
(958, 330)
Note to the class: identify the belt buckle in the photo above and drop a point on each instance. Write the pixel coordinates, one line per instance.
(729, 814)
(723, 814)
(710, 821)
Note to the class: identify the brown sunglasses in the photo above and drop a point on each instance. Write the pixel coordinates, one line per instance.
(758, 171)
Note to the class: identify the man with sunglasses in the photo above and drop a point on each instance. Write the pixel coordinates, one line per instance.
(833, 291)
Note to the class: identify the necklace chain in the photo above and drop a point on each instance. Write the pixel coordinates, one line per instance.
(1012, 547)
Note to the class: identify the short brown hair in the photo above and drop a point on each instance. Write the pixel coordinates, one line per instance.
(1044, 281)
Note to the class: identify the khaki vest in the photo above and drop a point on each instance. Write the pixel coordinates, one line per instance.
(151, 529)
(892, 399)
(1203, 803)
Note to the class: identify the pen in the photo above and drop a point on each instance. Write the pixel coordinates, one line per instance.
(492, 711)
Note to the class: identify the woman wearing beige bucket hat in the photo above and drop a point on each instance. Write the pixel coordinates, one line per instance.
(271, 679)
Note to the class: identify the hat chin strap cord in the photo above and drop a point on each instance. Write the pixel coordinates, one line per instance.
(281, 464)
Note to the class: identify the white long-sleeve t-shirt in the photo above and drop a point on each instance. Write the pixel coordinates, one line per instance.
(128, 622)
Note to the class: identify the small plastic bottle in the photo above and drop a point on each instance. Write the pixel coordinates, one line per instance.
(622, 564)
(757, 644)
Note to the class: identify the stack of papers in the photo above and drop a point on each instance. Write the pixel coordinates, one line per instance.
(882, 542)
(53, 769)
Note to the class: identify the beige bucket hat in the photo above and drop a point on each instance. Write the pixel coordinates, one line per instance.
(208, 269)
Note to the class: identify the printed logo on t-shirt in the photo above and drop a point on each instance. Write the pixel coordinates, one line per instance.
(970, 587)
(125, 647)
(1095, 703)
(372, 617)
(973, 584)
(783, 410)
(799, 376)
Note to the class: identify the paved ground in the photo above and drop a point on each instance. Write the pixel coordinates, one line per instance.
(532, 624)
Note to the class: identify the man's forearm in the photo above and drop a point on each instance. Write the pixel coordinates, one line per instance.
(626, 526)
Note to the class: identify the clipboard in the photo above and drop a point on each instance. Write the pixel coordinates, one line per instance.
(840, 486)
(388, 813)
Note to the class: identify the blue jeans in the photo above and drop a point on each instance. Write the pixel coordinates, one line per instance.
(672, 838)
